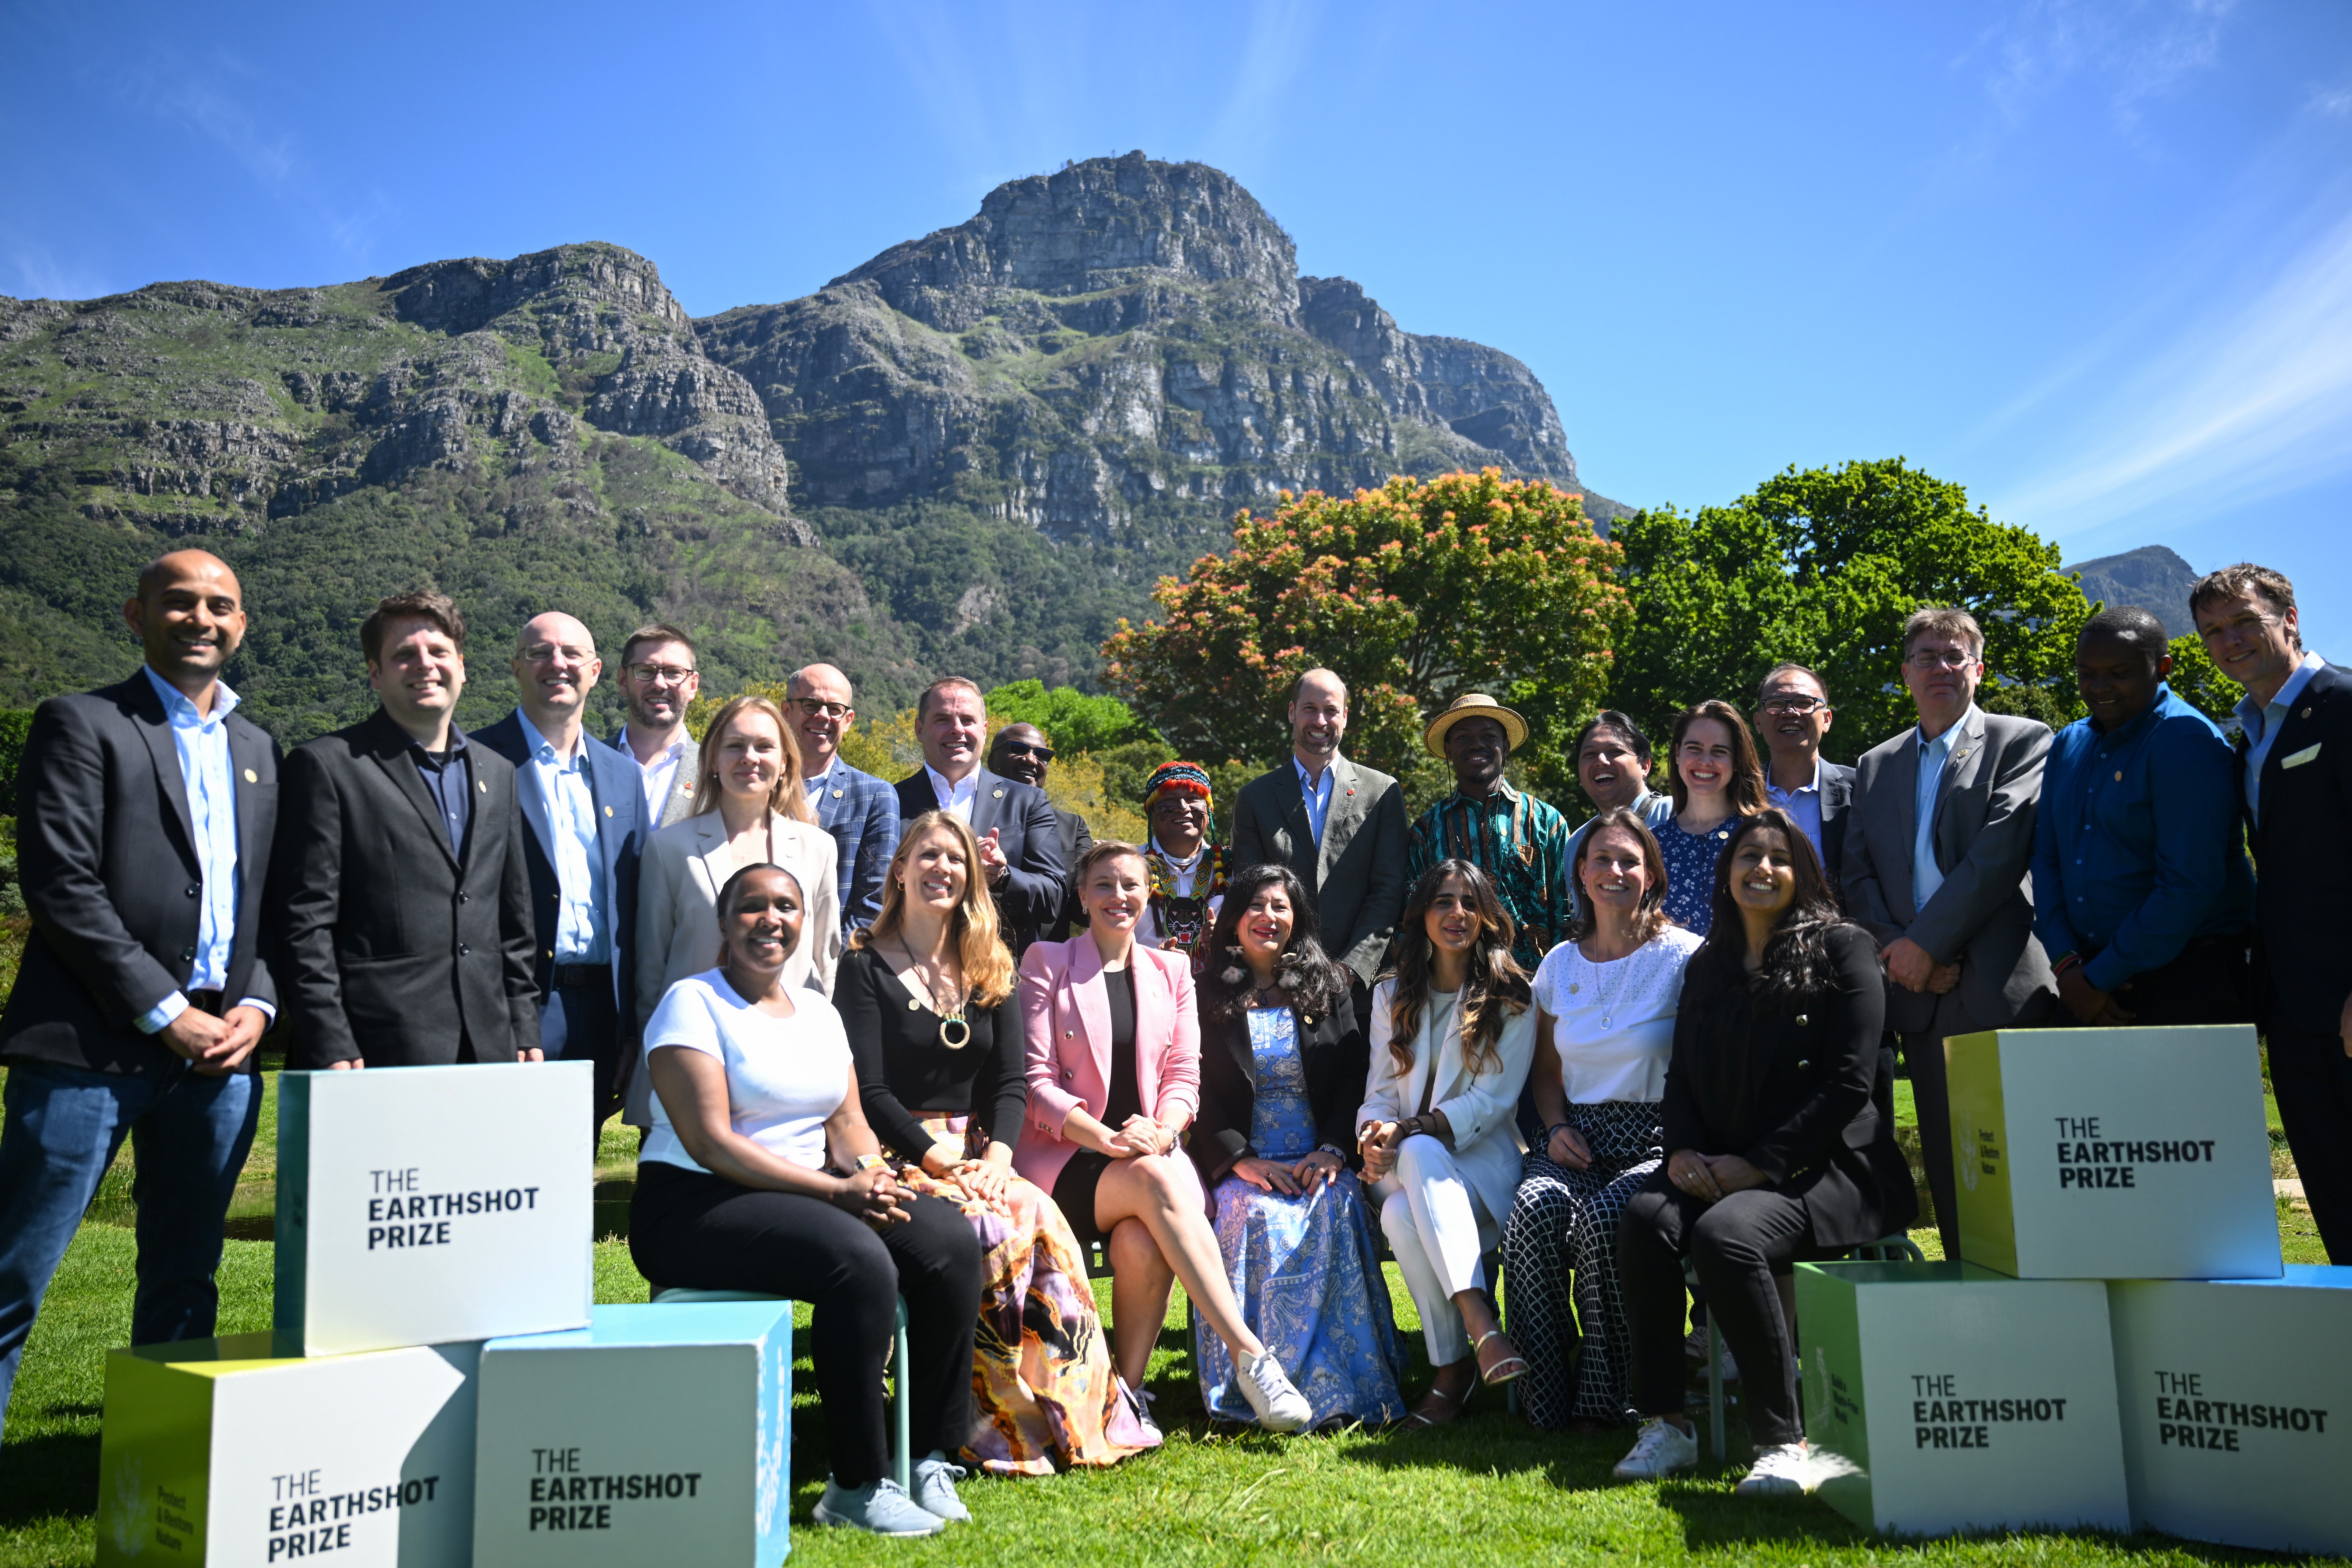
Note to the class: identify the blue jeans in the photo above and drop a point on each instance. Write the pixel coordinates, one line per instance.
(189, 1134)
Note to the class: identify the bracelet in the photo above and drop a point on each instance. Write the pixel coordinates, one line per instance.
(1556, 1127)
(872, 1162)
(1333, 1150)
(2071, 960)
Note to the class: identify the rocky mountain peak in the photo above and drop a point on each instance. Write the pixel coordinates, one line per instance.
(1101, 224)
(583, 299)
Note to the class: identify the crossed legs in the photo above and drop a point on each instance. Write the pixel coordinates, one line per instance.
(1158, 1235)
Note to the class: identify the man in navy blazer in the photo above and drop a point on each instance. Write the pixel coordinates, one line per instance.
(1793, 718)
(583, 804)
(2297, 775)
(144, 816)
(860, 810)
(1020, 837)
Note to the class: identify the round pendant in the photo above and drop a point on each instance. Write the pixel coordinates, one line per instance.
(1572, 988)
(1606, 1023)
(958, 1040)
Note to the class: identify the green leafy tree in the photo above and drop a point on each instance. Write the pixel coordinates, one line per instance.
(1821, 567)
(2197, 680)
(1073, 720)
(1414, 593)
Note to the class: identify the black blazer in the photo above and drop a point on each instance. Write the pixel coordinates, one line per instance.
(616, 784)
(106, 853)
(2302, 858)
(1837, 804)
(1076, 839)
(391, 948)
(1337, 1061)
(1806, 1097)
(1030, 834)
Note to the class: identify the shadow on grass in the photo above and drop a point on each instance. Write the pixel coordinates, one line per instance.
(50, 1475)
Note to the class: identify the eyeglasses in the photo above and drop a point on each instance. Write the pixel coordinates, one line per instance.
(811, 707)
(661, 674)
(1792, 705)
(1928, 658)
(1024, 749)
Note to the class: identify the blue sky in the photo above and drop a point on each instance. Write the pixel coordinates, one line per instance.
(2092, 261)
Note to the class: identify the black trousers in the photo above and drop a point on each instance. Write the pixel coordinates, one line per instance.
(2313, 1079)
(1737, 1246)
(697, 1231)
(582, 1023)
(2208, 982)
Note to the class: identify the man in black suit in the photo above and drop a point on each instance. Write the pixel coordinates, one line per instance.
(1339, 825)
(1020, 839)
(1793, 718)
(145, 811)
(400, 888)
(2296, 720)
(584, 808)
(1024, 752)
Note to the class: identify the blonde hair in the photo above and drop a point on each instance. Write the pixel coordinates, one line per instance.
(788, 799)
(979, 950)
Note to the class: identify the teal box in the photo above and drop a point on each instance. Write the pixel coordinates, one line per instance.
(655, 1435)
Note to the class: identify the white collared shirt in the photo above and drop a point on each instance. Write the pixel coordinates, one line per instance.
(2263, 721)
(813, 786)
(956, 799)
(658, 775)
(201, 742)
(567, 827)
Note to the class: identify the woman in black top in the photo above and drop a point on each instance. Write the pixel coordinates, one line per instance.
(1780, 1130)
(926, 993)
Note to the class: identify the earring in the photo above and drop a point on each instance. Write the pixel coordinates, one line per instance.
(1235, 975)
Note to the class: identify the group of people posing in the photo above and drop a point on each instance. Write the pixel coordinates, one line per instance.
(927, 1042)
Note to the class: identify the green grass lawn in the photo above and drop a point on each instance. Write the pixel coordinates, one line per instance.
(1485, 1490)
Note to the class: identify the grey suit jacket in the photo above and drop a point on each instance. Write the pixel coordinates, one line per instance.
(680, 802)
(1355, 874)
(1983, 912)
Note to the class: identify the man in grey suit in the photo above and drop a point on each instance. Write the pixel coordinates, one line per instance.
(1937, 854)
(1340, 827)
(658, 683)
(1793, 718)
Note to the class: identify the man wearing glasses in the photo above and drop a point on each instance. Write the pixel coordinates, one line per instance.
(1936, 854)
(860, 810)
(1025, 753)
(1792, 715)
(659, 684)
(2295, 737)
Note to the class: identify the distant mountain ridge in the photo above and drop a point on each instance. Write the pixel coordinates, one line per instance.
(2153, 577)
(974, 452)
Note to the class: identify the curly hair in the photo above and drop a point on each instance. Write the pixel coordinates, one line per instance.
(1312, 981)
(979, 946)
(1496, 989)
(1797, 965)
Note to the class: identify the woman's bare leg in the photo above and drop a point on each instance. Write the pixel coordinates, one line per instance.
(1141, 1283)
(1146, 1188)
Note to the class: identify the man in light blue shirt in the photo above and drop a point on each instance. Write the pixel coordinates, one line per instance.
(143, 988)
(585, 804)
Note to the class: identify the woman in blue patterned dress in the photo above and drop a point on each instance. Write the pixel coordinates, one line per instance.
(1281, 1070)
(1716, 780)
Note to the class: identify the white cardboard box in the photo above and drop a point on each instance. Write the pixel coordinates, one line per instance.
(2237, 1407)
(656, 1435)
(1941, 1397)
(236, 1451)
(427, 1205)
(2113, 1153)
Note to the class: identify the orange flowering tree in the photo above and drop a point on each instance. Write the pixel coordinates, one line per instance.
(1414, 593)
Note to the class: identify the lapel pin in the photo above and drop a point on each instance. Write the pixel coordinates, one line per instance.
(252, 777)
(836, 794)
(608, 811)
(483, 785)
(996, 794)
(2306, 713)
(2119, 775)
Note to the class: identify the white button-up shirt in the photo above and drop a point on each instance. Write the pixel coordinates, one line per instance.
(566, 821)
(658, 775)
(2261, 721)
(201, 741)
(955, 799)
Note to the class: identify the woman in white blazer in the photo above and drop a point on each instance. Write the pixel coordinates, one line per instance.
(749, 807)
(1453, 1035)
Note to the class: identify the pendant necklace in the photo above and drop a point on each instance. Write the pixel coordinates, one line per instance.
(1600, 993)
(955, 1030)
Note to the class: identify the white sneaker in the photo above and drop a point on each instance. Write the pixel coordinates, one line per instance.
(1661, 1450)
(1280, 1406)
(934, 1490)
(1140, 1401)
(879, 1507)
(1782, 1471)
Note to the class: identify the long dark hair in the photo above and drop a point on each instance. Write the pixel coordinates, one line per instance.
(1650, 916)
(1495, 990)
(1747, 786)
(1311, 982)
(1797, 967)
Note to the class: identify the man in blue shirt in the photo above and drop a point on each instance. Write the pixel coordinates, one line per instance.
(2297, 719)
(146, 811)
(2142, 895)
(585, 813)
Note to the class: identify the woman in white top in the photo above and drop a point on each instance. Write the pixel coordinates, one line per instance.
(749, 809)
(753, 1086)
(1605, 1002)
(1452, 1038)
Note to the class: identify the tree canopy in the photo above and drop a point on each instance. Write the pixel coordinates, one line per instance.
(1820, 567)
(1414, 594)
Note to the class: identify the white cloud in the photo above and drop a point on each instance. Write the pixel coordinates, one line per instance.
(37, 273)
(2131, 53)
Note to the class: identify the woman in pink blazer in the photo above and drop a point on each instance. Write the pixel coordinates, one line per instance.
(1114, 1069)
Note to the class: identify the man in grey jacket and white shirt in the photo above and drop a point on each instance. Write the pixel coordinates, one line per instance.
(658, 683)
(1937, 853)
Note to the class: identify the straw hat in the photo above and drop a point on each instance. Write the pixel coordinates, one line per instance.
(1477, 705)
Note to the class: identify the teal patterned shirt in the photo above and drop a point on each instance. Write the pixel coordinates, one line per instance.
(1522, 845)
